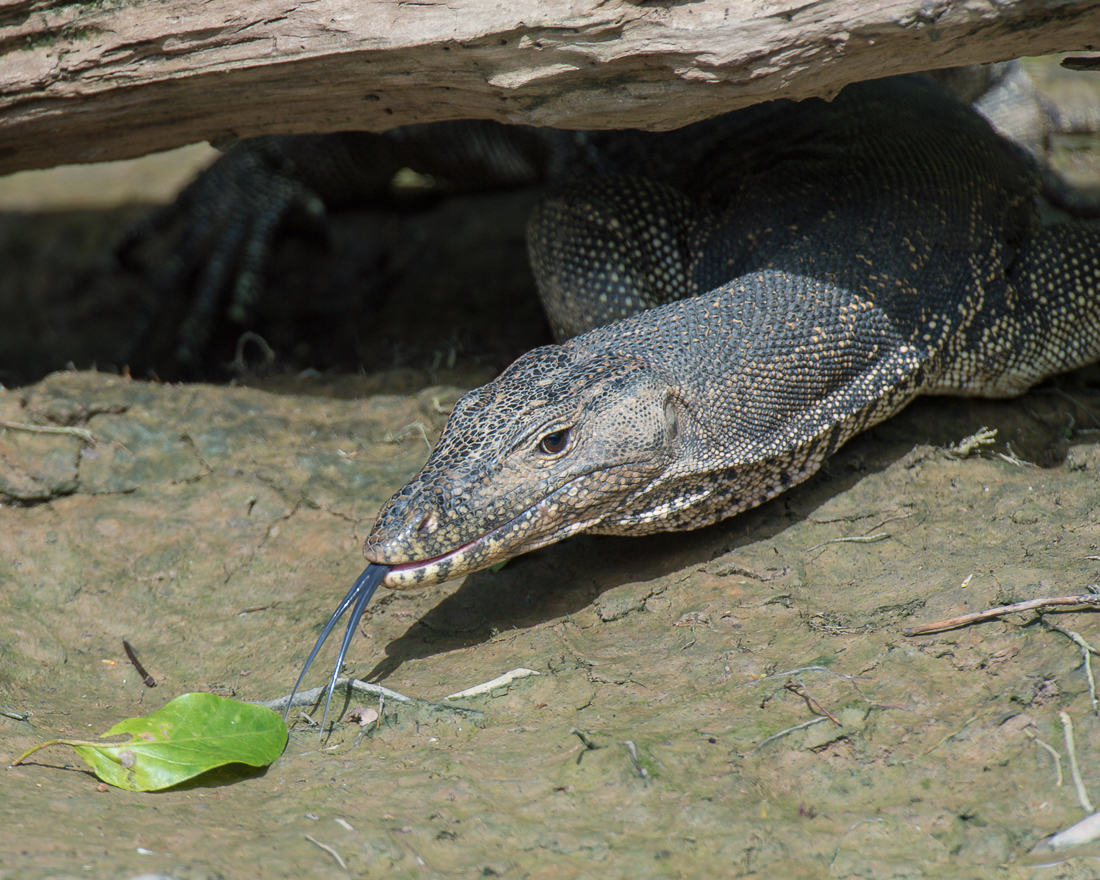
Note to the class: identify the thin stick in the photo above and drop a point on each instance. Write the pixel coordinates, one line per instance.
(797, 687)
(632, 750)
(783, 733)
(251, 609)
(146, 678)
(1087, 651)
(329, 850)
(1053, 753)
(800, 669)
(488, 686)
(853, 539)
(80, 433)
(1089, 599)
(1073, 637)
(1074, 770)
(308, 698)
(309, 719)
(1012, 459)
(84, 434)
(1091, 680)
(890, 519)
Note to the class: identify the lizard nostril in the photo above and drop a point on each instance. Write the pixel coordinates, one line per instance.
(428, 524)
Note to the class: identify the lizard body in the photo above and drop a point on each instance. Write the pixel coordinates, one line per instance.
(816, 268)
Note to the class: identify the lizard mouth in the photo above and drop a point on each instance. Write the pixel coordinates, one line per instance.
(420, 571)
(496, 545)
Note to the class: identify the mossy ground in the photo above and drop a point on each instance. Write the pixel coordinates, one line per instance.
(216, 526)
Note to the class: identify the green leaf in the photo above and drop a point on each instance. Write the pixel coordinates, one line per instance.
(192, 734)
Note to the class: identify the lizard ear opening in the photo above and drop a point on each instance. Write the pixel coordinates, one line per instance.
(672, 420)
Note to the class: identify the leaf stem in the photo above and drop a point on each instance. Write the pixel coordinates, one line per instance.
(58, 742)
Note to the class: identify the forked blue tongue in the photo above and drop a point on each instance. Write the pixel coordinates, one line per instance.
(359, 594)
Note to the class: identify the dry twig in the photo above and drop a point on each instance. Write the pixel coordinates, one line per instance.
(1074, 770)
(80, 433)
(632, 750)
(797, 687)
(490, 686)
(329, 850)
(1086, 651)
(852, 539)
(783, 733)
(1088, 599)
(1053, 753)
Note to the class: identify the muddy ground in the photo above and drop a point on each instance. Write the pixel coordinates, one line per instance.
(216, 526)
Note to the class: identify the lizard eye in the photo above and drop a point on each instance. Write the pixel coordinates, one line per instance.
(554, 442)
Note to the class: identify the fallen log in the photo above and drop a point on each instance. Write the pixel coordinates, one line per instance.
(86, 82)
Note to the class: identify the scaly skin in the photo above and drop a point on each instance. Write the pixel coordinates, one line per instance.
(837, 259)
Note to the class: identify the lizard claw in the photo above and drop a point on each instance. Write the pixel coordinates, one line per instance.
(227, 221)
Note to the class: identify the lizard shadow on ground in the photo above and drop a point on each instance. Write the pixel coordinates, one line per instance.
(563, 579)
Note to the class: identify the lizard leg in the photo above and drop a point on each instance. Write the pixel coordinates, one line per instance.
(1050, 323)
(607, 248)
(227, 222)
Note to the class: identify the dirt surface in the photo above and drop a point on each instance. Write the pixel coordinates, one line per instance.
(216, 527)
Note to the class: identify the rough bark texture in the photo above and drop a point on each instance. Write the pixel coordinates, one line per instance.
(85, 82)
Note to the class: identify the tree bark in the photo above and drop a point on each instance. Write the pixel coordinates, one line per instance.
(86, 82)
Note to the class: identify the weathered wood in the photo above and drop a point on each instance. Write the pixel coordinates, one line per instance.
(84, 82)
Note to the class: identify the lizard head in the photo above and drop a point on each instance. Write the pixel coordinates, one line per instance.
(557, 443)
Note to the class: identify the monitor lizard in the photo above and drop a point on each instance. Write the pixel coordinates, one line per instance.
(802, 273)
(821, 266)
